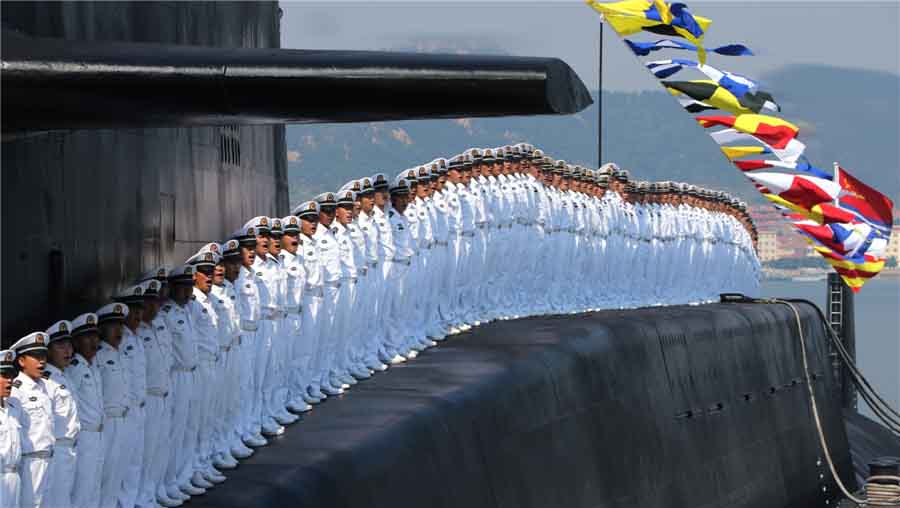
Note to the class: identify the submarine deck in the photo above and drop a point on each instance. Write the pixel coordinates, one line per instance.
(673, 406)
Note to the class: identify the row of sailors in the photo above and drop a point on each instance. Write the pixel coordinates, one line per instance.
(190, 369)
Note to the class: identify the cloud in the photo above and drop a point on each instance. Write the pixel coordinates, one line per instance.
(402, 136)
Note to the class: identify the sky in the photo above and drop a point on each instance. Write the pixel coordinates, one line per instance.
(849, 34)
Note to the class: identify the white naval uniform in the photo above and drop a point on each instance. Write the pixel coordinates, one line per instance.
(399, 259)
(293, 322)
(247, 292)
(343, 331)
(185, 416)
(37, 445)
(205, 321)
(87, 388)
(328, 253)
(116, 400)
(132, 349)
(11, 438)
(157, 342)
(66, 430)
(373, 335)
(267, 289)
(311, 323)
(228, 401)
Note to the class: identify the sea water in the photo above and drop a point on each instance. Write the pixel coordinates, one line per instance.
(877, 307)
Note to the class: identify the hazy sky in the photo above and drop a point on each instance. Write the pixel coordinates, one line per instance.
(848, 34)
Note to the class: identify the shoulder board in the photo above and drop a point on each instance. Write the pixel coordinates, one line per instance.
(74, 361)
(391, 213)
(167, 307)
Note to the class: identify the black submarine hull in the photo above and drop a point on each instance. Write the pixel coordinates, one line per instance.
(689, 406)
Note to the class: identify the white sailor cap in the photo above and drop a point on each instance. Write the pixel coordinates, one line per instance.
(112, 312)
(537, 155)
(380, 182)
(151, 288)
(346, 198)
(7, 360)
(411, 175)
(326, 200)
(455, 162)
(183, 274)
(354, 185)
(33, 342)
(291, 225)
(400, 185)
(474, 153)
(84, 323)
(58, 331)
(307, 210)
(131, 295)
(159, 273)
(245, 236)
(201, 259)
(232, 248)
(276, 229)
(261, 223)
(365, 185)
(214, 248)
(487, 155)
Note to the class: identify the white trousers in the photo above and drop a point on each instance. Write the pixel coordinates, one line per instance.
(133, 445)
(115, 460)
(10, 484)
(34, 482)
(250, 423)
(307, 342)
(62, 476)
(157, 422)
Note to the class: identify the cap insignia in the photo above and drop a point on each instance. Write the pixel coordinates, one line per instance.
(63, 327)
(264, 221)
(8, 357)
(89, 320)
(39, 339)
(118, 309)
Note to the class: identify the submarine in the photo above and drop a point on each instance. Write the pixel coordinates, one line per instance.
(135, 132)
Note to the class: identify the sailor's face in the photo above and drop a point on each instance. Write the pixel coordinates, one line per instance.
(400, 201)
(275, 246)
(248, 255)
(308, 225)
(86, 344)
(6, 378)
(380, 198)
(326, 215)
(367, 202)
(232, 268)
(203, 278)
(60, 352)
(290, 242)
(344, 214)
(32, 364)
(219, 274)
(262, 245)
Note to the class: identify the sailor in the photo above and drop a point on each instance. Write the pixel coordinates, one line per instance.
(344, 333)
(457, 248)
(11, 435)
(293, 307)
(31, 394)
(134, 361)
(357, 343)
(66, 425)
(228, 446)
(367, 224)
(275, 380)
(157, 342)
(185, 426)
(413, 337)
(85, 385)
(247, 292)
(206, 334)
(311, 325)
(266, 284)
(399, 258)
(387, 354)
(328, 252)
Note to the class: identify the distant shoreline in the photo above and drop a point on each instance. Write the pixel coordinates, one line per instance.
(813, 274)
